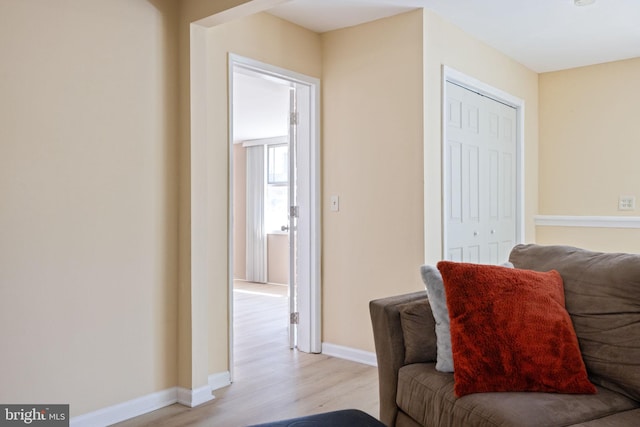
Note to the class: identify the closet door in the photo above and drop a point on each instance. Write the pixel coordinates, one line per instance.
(480, 177)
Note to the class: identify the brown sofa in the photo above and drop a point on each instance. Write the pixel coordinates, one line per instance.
(602, 292)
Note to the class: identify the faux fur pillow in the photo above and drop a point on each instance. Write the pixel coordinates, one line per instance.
(438, 301)
(510, 331)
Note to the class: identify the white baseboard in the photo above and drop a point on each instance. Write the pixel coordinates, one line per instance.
(217, 381)
(348, 353)
(124, 411)
(151, 402)
(195, 397)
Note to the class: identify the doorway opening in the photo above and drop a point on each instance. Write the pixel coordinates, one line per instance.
(274, 192)
(261, 180)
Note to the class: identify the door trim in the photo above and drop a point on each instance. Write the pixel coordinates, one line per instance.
(451, 75)
(313, 297)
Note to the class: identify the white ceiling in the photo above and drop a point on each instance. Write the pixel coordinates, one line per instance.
(260, 107)
(544, 35)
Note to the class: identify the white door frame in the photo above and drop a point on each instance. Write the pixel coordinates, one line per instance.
(451, 75)
(311, 300)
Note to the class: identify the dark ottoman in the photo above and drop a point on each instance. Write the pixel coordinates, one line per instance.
(345, 418)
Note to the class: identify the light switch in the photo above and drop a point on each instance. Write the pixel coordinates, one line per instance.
(335, 203)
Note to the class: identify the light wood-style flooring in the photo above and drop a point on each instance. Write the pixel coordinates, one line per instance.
(272, 382)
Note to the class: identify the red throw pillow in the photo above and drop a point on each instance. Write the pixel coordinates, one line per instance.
(510, 331)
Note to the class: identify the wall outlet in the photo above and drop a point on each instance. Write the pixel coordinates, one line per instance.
(627, 203)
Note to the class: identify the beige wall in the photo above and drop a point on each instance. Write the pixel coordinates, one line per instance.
(278, 258)
(88, 209)
(372, 159)
(595, 239)
(589, 151)
(445, 44)
(382, 125)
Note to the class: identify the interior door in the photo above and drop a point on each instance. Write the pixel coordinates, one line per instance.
(303, 235)
(294, 317)
(480, 177)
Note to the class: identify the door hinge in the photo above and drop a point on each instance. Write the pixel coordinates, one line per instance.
(295, 318)
(293, 118)
(293, 211)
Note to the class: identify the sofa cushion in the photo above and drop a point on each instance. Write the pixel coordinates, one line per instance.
(621, 419)
(510, 331)
(602, 292)
(417, 330)
(427, 396)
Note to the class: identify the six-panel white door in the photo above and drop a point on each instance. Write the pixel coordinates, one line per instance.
(480, 177)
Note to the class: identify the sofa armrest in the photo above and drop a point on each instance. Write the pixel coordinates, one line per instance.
(390, 348)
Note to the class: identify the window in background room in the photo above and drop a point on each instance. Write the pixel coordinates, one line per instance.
(277, 192)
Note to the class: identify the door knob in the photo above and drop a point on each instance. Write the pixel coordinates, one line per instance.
(475, 233)
(284, 228)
